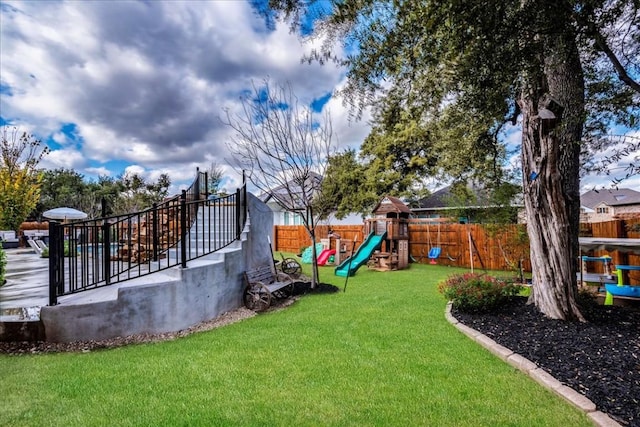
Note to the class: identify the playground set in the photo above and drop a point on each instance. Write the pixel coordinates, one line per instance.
(386, 246)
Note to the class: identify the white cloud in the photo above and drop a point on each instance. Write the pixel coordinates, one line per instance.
(143, 82)
(348, 132)
(135, 170)
(98, 171)
(67, 158)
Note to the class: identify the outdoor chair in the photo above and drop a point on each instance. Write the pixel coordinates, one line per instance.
(34, 246)
(9, 239)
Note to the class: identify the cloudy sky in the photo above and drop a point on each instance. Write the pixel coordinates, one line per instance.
(117, 86)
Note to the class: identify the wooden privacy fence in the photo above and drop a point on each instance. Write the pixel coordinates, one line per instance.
(463, 245)
(294, 238)
(615, 229)
(487, 246)
(491, 248)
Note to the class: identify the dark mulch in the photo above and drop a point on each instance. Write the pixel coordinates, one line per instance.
(302, 288)
(600, 358)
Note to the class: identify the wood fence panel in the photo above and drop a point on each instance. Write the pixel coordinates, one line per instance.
(492, 247)
(634, 276)
(497, 249)
(287, 238)
(608, 229)
(615, 229)
(294, 238)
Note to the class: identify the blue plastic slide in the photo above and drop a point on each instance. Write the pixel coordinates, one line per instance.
(350, 266)
(307, 255)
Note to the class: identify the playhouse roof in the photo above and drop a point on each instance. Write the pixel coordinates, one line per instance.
(391, 204)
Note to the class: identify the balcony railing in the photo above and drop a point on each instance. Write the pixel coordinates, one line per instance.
(85, 255)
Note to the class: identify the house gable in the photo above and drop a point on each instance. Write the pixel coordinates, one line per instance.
(607, 205)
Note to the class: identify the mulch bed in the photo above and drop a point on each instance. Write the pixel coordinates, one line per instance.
(302, 288)
(599, 358)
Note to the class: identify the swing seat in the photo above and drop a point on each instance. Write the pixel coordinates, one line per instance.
(434, 253)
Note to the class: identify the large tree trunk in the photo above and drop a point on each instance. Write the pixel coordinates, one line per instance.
(550, 165)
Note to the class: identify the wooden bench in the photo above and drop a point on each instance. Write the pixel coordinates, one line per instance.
(263, 284)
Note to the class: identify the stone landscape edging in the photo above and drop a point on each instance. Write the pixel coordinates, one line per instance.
(541, 376)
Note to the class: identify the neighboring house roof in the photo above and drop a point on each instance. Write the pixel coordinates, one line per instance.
(290, 193)
(391, 204)
(439, 199)
(611, 197)
(443, 199)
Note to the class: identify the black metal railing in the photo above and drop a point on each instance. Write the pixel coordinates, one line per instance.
(89, 254)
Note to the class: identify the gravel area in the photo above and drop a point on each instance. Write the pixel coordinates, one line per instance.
(599, 358)
(35, 347)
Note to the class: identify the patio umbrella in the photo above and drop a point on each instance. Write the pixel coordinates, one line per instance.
(64, 214)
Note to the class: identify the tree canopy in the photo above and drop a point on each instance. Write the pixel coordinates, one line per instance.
(124, 194)
(446, 77)
(20, 180)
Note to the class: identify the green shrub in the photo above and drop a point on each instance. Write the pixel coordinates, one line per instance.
(3, 265)
(473, 293)
(67, 251)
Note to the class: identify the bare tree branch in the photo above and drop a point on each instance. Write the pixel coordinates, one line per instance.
(283, 149)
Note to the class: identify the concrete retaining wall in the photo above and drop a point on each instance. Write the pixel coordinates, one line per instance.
(168, 301)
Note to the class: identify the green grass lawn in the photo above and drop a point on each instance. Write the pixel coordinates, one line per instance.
(379, 354)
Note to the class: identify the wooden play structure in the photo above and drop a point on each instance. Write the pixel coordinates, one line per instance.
(391, 220)
(336, 248)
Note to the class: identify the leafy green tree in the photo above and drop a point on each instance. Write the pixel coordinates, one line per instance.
(3, 265)
(484, 204)
(345, 187)
(104, 188)
(562, 71)
(125, 194)
(214, 175)
(20, 180)
(61, 187)
(137, 194)
(399, 151)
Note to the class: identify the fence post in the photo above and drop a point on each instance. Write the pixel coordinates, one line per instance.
(244, 198)
(106, 251)
(238, 207)
(196, 185)
(154, 231)
(206, 185)
(274, 237)
(183, 229)
(54, 262)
